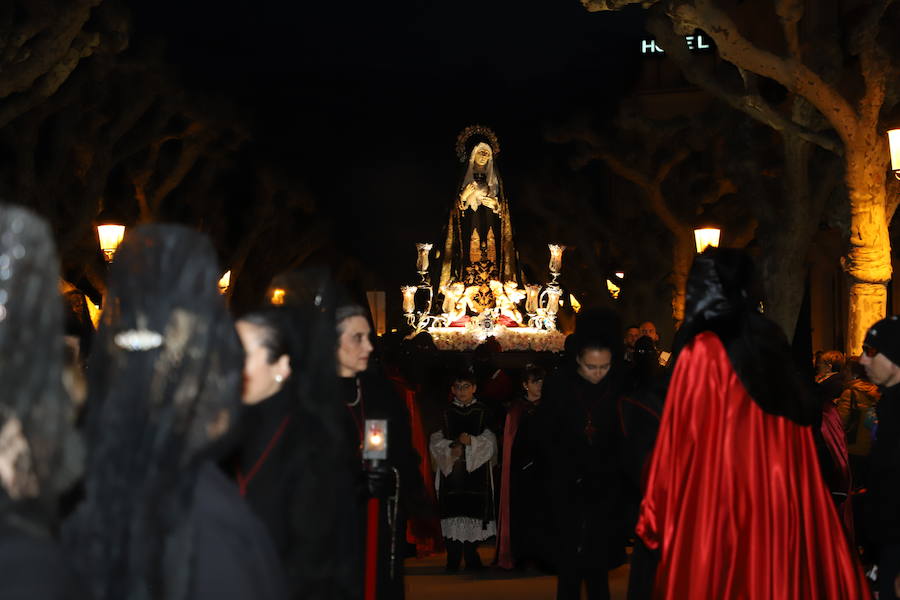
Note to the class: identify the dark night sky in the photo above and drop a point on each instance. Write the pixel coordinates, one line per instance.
(364, 100)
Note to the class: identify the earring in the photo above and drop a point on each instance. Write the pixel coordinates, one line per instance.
(279, 379)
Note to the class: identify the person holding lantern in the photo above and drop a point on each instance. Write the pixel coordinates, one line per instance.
(365, 394)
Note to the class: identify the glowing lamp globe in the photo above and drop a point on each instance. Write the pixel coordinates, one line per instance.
(613, 289)
(110, 236)
(894, 142)
(225, 282)
(706, 237)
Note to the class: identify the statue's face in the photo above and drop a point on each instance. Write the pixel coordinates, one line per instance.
(482, 155)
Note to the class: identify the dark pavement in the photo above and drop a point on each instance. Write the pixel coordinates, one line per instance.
(426, 580)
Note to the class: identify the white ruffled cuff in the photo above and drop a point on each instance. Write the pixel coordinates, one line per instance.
(441, 455)
(482, 449)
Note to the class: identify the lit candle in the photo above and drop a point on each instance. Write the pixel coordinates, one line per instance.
(532, 293)
(422, 259)
(556, 252)
(375, 445)
(409, 298)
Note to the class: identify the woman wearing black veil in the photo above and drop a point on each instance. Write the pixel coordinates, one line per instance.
(292, 465)
(159, 519)
(364, 393)
(39, 453)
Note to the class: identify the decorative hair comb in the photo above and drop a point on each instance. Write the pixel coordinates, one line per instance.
(138, 340)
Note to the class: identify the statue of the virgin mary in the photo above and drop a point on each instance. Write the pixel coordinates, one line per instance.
(479, 245)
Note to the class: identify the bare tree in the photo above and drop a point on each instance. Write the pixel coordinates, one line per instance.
(123, 133)
(669, 164)
(851, 92)
(42, 42)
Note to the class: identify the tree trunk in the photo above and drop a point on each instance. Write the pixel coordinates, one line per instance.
(784, 276)
(788, 232)
(867, 305)
(682, 259)
(868, 261)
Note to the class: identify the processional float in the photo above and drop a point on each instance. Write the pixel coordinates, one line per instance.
(481, 292)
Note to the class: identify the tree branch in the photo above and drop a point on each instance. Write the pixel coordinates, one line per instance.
(874, 65)
(792, 74)
(789, 13)
(51, 43)
(751, 104)
(666, 167)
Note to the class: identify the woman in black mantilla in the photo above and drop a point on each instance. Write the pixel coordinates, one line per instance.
(582, 441)
(40, 455)
(159, 519)
(395, 481)
(479, 242)
(463, 452)
(291, 463)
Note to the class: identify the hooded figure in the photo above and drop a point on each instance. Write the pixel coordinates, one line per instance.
(735, 505)
(40, 456)
(159, 519)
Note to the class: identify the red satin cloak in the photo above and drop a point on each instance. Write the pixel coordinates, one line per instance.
(734, 501)
(425, 533)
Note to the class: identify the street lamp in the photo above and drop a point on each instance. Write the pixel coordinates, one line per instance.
(894, 143)
(110, 236)
(613, 289)
(705, 237)
(614, 285)
(225, 282)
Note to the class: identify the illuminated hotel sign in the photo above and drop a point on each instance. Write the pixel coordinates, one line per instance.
(694, 42)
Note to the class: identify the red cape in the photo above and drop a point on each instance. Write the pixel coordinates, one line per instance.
(735, 502)
(425, 533)
(836, 442)
(504, 547)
